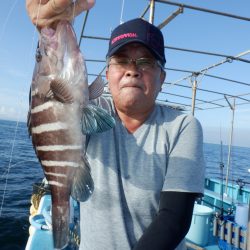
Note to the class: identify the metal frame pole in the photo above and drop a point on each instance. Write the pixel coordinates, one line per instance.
(152, 11)
(232, 107)
(194, 88)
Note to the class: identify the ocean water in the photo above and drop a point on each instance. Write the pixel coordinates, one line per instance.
(19, 170)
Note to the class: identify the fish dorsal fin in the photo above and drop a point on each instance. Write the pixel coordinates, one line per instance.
(96, 88)
(96, 120)
(83, 185)
(61, 91)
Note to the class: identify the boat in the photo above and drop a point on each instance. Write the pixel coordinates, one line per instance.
(213, 224)
(40, 230)
(220, 218)
(220, 221)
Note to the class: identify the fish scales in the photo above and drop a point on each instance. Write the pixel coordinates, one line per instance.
(59, 163)
(60, 116)
(48, 138)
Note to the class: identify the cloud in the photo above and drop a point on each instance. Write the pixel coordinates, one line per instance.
(13, 113)
(13, 104)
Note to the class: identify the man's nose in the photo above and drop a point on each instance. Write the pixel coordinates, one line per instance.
(133, 70)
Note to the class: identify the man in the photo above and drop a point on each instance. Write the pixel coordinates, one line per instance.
(149, 169)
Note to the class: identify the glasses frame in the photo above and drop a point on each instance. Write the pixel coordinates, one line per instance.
(134, 61)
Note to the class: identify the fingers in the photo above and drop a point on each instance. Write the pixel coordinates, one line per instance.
(41, 11)
(58, 6)
(71, 11)
(47, 12)
(85, 4)
(67, 6)
(80, 5)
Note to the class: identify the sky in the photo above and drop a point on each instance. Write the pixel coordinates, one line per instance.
(194, 30)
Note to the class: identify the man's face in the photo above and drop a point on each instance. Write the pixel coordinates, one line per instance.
(134, 88)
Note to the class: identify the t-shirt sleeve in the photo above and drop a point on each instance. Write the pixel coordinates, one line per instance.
(185, 166)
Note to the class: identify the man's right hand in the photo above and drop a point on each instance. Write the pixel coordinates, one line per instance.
(48, 12)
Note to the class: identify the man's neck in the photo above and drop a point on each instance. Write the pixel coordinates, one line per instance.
(132, 121)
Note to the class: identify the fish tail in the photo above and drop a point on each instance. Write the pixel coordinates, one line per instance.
(60, 225)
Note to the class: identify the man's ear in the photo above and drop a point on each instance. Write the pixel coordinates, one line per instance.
(107, 73)
(163, 76)
(107, 76)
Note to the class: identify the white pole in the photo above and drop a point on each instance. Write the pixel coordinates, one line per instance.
(230, 145)
(152, 11)
(194, 88)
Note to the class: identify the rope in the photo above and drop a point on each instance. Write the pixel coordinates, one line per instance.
(7, 19)
(121, 17)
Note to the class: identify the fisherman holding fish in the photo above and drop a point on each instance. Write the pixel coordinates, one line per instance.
(148, 169)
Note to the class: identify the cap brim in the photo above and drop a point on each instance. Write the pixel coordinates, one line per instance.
(115, 49)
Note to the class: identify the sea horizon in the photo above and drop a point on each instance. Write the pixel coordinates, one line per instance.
(205, 142)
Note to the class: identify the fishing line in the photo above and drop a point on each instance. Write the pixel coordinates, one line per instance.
(6, 173)
(20, 162)
(7, 20)
(74, 10)
(121, 17)
(8, 169)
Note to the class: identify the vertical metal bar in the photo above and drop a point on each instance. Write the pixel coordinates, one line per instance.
(83, 27)
(215, 226)
(230, 146)
(194, 88)
(152, 11)
(229, 232)
(237, 236)
(222, 230)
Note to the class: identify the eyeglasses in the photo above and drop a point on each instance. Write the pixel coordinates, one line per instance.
(121, 63)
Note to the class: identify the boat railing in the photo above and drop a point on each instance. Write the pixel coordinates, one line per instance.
(235, 192)
(230, 234)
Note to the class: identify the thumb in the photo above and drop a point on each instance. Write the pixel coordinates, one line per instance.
(84, 4)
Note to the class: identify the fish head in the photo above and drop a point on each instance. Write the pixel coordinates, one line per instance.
(61, 60)
(58, 48)
(69, 55)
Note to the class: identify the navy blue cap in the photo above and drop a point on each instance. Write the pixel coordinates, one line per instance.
(138, 30)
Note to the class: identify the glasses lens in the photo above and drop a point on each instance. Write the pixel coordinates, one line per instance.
(123, 61)
(141, 63)
(145, 63)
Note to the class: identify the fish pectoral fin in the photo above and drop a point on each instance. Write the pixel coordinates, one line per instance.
(83, 185)
(96, 88)
(61, 91)
(96, 120)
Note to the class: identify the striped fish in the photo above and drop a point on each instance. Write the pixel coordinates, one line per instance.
(59, 118)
